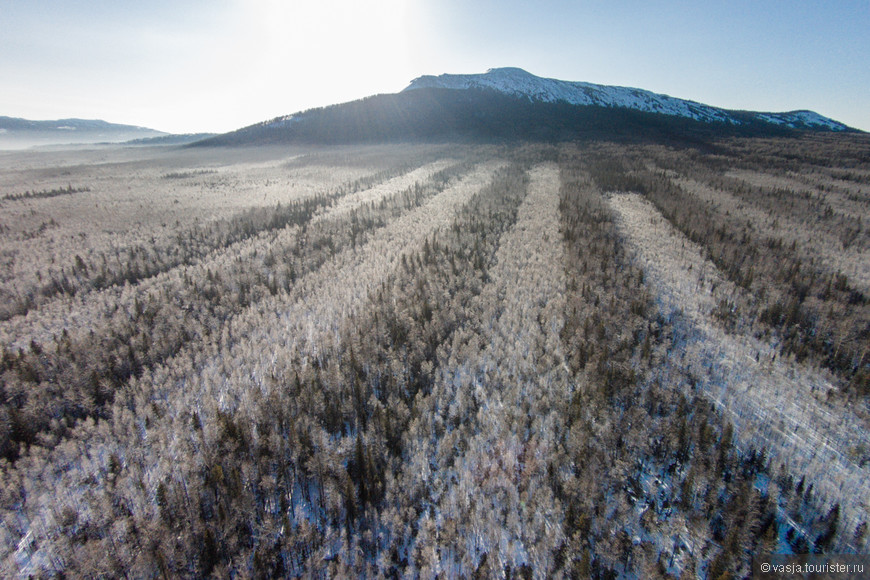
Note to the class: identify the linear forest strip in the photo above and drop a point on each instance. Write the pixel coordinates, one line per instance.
(773, 402)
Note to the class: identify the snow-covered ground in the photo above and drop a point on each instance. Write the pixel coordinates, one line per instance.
(773, 402)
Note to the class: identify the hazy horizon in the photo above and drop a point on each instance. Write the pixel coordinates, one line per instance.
(194, 66)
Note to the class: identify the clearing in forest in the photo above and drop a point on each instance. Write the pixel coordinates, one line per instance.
(812, 238)
(772, 401)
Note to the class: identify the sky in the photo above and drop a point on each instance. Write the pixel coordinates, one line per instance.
(216, 65)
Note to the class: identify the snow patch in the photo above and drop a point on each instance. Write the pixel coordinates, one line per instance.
(282, 122)
(519, 83)
(802, 120)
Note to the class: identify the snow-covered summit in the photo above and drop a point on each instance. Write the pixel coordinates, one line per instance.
(802, 119)
(520, 83)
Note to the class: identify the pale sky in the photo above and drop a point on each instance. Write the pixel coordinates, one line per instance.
(197, 65)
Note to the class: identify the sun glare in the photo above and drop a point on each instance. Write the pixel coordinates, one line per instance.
(328, 43)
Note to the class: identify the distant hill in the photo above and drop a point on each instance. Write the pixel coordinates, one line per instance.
(16, 133)
(513, 104)
(171, 139)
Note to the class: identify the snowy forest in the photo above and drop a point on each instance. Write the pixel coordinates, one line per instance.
(587, 360)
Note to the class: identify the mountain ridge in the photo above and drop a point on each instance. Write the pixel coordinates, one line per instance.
(518, 82)
(512, 104)
(18, 133)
